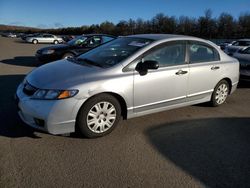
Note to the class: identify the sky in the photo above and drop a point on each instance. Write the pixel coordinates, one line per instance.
(74, 13)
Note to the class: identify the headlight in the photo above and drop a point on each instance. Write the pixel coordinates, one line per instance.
(54, 94)
(48, 51)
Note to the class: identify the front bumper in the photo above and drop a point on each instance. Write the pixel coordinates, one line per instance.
(58, 116)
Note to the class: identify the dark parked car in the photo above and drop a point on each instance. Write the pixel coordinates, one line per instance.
(243, 55)
(68, 38)
(223, 45)
(72, 48)
(236, 45)
(29, 35)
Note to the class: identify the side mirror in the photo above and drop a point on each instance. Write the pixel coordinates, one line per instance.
(143, 67)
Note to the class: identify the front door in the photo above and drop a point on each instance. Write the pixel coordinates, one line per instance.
(165, 86)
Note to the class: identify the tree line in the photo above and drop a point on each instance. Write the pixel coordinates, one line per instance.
(225, 26)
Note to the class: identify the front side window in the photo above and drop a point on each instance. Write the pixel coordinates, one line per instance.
(78, 41)
(114, 52)
(170, 54)
(200, 52)
(94, 41)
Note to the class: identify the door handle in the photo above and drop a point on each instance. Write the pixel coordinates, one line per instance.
(180, 72)
(215, 67)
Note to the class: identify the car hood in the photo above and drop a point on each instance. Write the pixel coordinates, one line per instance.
(235, 47)
(63, 74)
(56, 47)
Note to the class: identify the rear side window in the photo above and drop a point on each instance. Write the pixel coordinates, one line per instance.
(246, 51)
(200, 52)
(48, 36)
(106, 39)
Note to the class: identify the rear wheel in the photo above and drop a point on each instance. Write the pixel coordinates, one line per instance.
(220, 93)
(99, 116)
(35, 41)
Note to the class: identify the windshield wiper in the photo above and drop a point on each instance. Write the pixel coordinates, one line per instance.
(90, 62)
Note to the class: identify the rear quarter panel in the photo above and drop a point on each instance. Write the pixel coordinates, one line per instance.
(230, 69)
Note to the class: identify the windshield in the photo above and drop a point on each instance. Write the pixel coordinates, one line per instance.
(78, 41)
(115, 51)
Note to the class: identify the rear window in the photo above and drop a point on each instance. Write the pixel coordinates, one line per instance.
(241, 43)
(246, 51)
(106, 39)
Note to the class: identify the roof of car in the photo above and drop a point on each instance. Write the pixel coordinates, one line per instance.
(89, 35)
(158, 36)
(244, 40)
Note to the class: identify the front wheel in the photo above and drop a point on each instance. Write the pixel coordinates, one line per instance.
(56, 42)
(220, 93)
(99, 116)
(35, 41)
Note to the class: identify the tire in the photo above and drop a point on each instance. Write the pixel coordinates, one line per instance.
(56, 42)
(220, 93)
(65, 56)
(35, 41)
(99, 116)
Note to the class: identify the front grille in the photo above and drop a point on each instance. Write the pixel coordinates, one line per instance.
(39, 51)
(39, 122)
(28, 89)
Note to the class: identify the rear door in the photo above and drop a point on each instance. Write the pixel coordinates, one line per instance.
(205, 70)
(43, 38)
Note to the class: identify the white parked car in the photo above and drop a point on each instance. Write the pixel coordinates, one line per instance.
(44, 38)
(11, 35)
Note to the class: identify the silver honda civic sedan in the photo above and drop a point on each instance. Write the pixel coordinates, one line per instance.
(128, 77)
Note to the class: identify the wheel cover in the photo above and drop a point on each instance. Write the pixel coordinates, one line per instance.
(101, 117)
(67, 56)
(221, 93)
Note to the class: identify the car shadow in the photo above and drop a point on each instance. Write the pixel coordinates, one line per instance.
(215, 151)
(244, 84)
(21, 41)
(29, 61)
(11, 125)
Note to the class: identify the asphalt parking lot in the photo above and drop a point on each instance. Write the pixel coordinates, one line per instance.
(196, 146)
